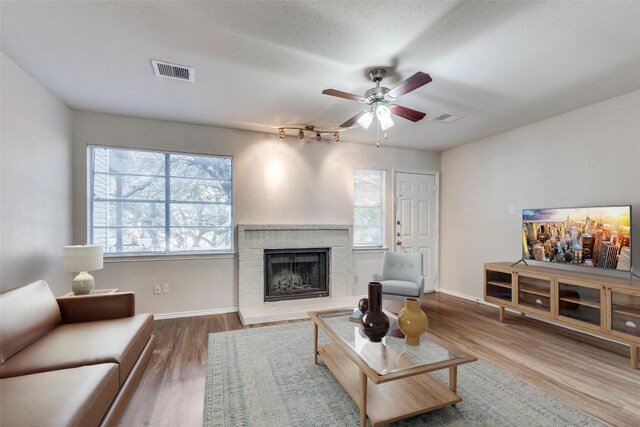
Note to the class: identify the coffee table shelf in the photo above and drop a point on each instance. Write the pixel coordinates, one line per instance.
(393, 400)
(387, 391)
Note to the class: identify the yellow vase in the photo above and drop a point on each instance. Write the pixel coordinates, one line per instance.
(412, 321)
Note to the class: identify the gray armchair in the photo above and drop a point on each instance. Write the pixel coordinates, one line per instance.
(401, 276)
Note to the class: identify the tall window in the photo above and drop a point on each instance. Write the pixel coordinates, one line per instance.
(158, 202)
(368, 207)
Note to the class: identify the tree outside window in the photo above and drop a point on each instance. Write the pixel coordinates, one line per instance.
(159, 202)
(368, 207)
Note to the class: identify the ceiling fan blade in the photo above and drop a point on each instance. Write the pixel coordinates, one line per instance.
(341, 94)
(412, 83)
(407, 113)
(352, 121)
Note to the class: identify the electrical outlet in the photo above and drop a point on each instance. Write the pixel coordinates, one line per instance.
(165, 288)
(157, 290)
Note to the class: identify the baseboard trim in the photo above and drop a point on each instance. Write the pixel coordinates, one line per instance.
(533, 316)
(195, 313)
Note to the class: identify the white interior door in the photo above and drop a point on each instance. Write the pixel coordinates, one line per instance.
(415, 221)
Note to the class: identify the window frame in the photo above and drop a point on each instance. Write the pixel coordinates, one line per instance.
(167, 253)
(383, 211)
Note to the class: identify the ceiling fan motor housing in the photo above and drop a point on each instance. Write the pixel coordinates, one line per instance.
(377, 94)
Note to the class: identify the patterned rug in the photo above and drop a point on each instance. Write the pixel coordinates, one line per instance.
(265, 376)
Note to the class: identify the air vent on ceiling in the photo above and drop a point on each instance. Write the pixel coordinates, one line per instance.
(173, 71)
(447, 118)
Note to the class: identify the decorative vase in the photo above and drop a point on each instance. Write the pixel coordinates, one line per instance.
(363, 305)
(412, 321)
(374, 323)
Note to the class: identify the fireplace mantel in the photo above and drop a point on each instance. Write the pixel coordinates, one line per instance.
(253, 239)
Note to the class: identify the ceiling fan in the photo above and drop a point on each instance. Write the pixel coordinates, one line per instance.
(379, 100)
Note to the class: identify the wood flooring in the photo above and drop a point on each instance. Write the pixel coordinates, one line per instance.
(590, 374)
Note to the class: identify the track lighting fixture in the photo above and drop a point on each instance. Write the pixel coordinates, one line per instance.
(309, 128)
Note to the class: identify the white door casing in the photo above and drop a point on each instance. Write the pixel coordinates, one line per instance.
(416, 220)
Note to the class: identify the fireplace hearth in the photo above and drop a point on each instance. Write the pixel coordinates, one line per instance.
(296, 273)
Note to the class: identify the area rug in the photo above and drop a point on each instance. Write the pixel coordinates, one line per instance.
(265, 376)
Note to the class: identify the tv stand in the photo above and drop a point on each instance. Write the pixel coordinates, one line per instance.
(603, 306)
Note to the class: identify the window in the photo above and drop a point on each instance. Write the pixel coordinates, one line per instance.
(368, 207)
(150, 202)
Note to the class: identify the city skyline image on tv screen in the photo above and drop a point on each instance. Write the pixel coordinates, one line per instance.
(598, 237)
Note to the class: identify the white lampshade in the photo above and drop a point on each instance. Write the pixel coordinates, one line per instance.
(82, 258)
(365, 119)
(384, 117)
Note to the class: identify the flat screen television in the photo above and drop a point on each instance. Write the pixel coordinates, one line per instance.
(597, 237)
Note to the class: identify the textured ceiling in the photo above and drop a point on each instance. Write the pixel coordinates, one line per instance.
(260, 65)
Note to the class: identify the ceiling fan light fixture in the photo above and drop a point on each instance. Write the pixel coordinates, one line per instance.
(383, 113)
(386, 123)
(365, 119)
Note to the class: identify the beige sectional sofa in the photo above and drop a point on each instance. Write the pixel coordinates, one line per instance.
(72, 361)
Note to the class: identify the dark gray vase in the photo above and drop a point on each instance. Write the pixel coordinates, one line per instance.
(374, 323)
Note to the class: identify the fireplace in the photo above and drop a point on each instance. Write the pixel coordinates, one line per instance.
(296, 273)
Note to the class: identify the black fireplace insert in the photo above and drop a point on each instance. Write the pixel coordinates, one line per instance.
(296, 273)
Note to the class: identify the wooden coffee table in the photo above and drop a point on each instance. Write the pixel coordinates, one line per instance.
(389, 380)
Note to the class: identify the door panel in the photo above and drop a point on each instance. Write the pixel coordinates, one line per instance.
(424, 218)
(415, 210)
(406, 218)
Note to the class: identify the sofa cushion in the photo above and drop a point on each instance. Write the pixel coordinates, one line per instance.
(26, 314)
(68, 397)
(88, 343)
(400, 287)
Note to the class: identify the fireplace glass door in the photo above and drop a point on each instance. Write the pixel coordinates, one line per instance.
(296, 273)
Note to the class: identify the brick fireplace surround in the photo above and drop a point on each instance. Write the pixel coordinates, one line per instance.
(254, 239)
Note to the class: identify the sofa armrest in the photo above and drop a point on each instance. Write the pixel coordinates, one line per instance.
(88, 308)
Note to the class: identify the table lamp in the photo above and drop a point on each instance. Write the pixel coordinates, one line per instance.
(80, 259)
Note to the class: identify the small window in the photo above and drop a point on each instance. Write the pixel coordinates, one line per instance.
(368, 207)
(151, 202)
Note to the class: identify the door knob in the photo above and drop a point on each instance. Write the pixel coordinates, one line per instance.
(399, 242)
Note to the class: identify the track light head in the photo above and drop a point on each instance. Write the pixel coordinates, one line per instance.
(301, 134)
(281, 133)
(336, 136)
(318, 136)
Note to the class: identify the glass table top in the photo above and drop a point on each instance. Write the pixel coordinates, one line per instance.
(392, 354)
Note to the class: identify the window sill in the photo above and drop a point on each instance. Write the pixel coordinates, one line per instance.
(108, 259)
(369, 249)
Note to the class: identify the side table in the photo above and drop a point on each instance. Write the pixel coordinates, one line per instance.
(96, 292)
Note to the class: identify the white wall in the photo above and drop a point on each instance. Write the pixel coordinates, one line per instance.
(275, 181)
(587, 157)
(35, 181)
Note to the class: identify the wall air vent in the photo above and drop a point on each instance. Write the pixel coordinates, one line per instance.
(173, 71)
(447, 118)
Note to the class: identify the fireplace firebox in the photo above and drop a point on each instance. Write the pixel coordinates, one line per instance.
(296, 273)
